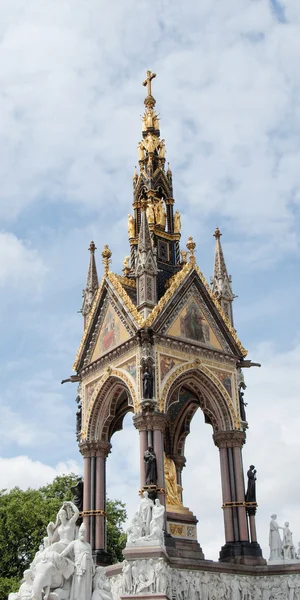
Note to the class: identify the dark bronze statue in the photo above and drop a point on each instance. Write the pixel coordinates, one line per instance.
(251, 489)
(150, 466)
(78, 497)
(78, 418)
(147, 384)
(242, 405)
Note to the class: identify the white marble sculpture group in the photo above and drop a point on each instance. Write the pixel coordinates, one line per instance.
(147, 525)
(63, 567)
(281, 550)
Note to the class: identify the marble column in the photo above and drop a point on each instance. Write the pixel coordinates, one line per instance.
(226, 495)
(143, 448)
(252, 528)
(179, 461)
(102, 451)
(240, 493)
(85, 450)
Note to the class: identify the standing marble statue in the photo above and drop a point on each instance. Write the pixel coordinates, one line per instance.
(251, 488)
(287, 544)
(150, 466)
(81, 553)
(275, 542)
(145, 512)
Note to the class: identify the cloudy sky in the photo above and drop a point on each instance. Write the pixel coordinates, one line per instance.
(227, 91)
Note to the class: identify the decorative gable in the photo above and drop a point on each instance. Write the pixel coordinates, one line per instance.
(111, 333)
(192, 324)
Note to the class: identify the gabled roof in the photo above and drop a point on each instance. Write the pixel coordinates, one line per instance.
(112, 281)
(108, 282)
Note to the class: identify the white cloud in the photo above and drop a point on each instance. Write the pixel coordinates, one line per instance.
(23, 472)
(227, 92)
(20, 264)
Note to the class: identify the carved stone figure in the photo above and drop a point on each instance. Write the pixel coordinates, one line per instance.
(81, 553)
(25, 590)
(135, 530)
(101, 586)
(51, 573)
(127, 578)
(147, 384)
(275, 542)
(177, 222)
(135, 577)
(62, 532)
(145, 512)
(160, 576)
(251, 491)
(158, 513)
(287, 544)
(150, 466)
(143, 584)
(131, 226)
(160, 213)
(235, 588)
(173, 496)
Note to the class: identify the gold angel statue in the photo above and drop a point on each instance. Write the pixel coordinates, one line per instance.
(173, 496)
(131, 226)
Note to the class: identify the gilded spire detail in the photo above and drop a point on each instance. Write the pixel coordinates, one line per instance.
(221, 281)
(91, 282)
(106, 256)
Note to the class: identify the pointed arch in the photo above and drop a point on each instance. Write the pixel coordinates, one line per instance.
(189, 387)
(113, 398)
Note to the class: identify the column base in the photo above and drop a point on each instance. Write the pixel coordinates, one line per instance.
(242, 553)
(101, 558)
(181, 536)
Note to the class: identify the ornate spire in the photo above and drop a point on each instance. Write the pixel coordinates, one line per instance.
(146, 269)
(221, 281)
(152, 185)
(91, 283)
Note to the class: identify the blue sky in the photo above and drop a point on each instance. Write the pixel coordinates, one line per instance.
(70, 103)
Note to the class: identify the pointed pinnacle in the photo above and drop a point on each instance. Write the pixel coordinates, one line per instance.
(217, 233)
(92, 247)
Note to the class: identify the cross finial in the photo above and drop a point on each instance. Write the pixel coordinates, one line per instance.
(148, 80)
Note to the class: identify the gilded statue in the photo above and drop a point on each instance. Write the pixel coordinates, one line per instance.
(150, 143)
(155, 121)
(131, 226)
(141, 151)
(126, 265)
(177, 222)
(162, 149)
(173, 496)
(150, 212)
(160, 213)
(149, 118)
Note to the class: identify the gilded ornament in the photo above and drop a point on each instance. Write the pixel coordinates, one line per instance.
(131, 226)
(106, 255)
(177, 222)
(148, 81)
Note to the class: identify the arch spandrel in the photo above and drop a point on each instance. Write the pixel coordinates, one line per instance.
(104, 404)
(213, 397)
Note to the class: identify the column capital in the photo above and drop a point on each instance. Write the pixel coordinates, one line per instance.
(229, 439)
(150, 421)
(99, 448)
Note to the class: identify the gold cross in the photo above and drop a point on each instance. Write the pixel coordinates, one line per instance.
(148, 80)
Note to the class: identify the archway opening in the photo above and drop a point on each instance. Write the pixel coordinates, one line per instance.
(201, 480)
(123, 465)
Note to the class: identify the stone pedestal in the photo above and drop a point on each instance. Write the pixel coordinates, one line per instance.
(242, 553)
(182, 526)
